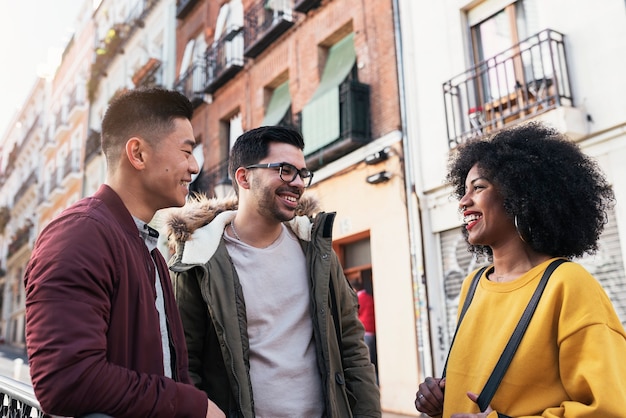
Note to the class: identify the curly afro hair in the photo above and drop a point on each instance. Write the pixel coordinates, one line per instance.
(558, 194)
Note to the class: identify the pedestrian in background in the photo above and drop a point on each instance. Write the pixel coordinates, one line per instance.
(270, 319)
(530, 196)
(103, 332)
(367, 314)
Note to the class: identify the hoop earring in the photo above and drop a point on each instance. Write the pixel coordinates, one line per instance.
(518, 230)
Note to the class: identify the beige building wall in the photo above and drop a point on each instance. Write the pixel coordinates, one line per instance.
(378, 211)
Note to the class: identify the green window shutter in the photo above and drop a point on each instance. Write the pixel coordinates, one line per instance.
(320, 117)
(278, 106)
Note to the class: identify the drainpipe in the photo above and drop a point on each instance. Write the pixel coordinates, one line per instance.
(415, 217)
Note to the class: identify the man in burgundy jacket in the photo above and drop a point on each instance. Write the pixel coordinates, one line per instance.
(103, 332)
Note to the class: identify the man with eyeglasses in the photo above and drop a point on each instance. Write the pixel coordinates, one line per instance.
(270, 320)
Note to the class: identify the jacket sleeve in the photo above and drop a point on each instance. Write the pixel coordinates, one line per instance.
(359, 372)
(69, 287)
(592, 349)
(193, 313)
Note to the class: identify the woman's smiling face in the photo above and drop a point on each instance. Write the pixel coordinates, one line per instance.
(485, 219)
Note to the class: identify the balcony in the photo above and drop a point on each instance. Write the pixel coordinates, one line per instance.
(148, 75)
(71, 165)
(114, 42)
(93, 146)
(354, 117)
(61, 122)
(215, 181)
(19, 239)
(224, 60)
(304, 6)
(5, 218)
(56, 181)
(31, 181)
(193, 82)
(183, 7)
(264, 24)
(77, 101)
(524, 82)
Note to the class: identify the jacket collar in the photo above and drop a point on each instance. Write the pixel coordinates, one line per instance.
(195, 231)
(115, 204)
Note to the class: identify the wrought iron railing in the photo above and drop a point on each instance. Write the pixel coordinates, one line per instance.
(193, 82)
(215, 180)
(354, 124)
(18, 148)
(183, 7)
(304, 6)
(93, 145)
(30, 181)
(115, 40)
(524, 81)
(17, 399)
(72, 165)
(264, 22)
(224, 59)
(19, 239)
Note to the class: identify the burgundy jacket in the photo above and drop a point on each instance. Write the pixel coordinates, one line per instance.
(92, 329)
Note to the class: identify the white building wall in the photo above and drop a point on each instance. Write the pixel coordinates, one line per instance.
(436, 48)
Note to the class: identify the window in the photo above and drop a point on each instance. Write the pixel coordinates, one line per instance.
(321, 116)
(493, 39)
(279, 106)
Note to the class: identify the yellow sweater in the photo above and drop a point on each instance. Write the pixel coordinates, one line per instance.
(570, 363)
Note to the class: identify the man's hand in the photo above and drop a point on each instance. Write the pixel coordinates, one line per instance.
(213, 411)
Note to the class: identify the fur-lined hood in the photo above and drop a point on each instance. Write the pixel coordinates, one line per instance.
(180, 224)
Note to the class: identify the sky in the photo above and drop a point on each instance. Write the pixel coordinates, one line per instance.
(32, 33)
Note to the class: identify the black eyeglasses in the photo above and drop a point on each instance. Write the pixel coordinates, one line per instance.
(288, 172)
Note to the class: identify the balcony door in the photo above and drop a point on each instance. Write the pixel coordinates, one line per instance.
(497, 32)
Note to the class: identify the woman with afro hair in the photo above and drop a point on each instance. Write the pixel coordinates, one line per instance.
(530, 196)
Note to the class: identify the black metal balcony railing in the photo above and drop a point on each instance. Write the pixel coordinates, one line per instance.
(214, 178)
(71, 164)
(19, 239)
(17, 399)
(92, 146)
(55, 180)
(114, 42)
(183, 7)
(224, 60)
(524, 81)
(304, 6)
(149, 75)
(77, 100)
(264, 23)
(30, 181)
(5, 217)
(17, 149)
(354, 126)
(291, 120)
(60, 122)
(193, 82)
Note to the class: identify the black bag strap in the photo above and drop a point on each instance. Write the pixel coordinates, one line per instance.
(466, 304)
(509, 351)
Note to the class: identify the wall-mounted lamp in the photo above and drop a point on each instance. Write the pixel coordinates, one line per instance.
(381, 177)
(377, 157)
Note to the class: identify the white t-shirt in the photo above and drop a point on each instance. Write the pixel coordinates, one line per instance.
(286, 381)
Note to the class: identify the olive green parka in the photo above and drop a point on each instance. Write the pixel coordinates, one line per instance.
(212, 307)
